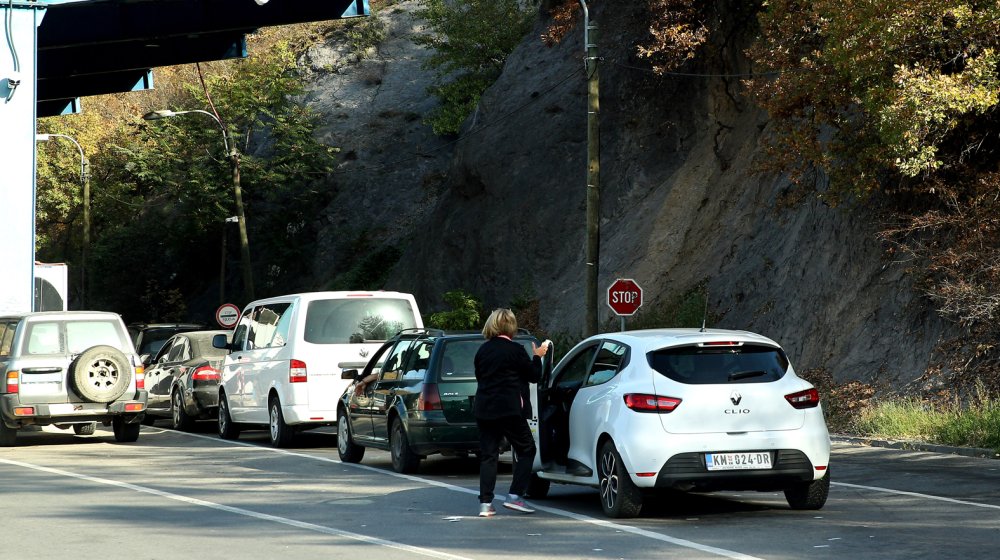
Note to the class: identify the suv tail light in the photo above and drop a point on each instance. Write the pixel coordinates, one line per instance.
(12, 382)
(208, 373)
(430, 398)
(297, 372)
(140, 373)
(640, 402)
(803, 399)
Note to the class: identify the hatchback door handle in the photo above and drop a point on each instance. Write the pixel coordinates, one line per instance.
(41, 370)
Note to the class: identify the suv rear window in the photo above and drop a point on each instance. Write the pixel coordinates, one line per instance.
(342, 321)
(73, 337)
(698, 365)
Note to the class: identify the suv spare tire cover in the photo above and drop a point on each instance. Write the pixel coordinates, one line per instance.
(100, 374)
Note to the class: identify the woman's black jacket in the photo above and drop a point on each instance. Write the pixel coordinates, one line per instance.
(503, 370)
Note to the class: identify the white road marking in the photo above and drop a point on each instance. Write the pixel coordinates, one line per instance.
(244, 512)
(915, 495)
(554, 511)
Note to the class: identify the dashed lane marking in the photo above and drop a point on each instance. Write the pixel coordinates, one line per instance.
(244, 512)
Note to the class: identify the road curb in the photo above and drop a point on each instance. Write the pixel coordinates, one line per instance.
(914, 445)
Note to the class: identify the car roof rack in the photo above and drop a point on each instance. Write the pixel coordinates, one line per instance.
(418, 332)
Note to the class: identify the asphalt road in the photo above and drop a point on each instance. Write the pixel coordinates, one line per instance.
(174, 495)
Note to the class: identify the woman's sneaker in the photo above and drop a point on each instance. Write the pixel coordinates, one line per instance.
(487, 510)
(515, 503)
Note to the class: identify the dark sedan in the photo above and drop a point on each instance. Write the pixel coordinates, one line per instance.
(414, 398)
(183, 379)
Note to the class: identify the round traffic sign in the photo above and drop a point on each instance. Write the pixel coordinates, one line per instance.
(624, 296)
(226, 315)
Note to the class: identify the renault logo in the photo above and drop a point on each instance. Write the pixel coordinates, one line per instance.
(736, 397)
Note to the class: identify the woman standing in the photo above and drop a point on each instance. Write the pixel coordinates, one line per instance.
(503, 370)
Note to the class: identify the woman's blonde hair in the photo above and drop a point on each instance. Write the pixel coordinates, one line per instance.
(501, 321)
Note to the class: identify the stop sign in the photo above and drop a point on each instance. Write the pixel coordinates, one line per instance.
(624, 296)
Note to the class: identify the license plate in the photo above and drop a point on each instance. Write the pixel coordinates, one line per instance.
(65, 408)
(747, 460)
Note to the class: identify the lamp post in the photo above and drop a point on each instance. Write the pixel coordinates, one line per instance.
(85, 181)
(222, 264)
(234, 161)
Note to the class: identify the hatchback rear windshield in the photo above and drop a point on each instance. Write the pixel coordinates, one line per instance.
(342, 321)
(459, 360)
(698, 365)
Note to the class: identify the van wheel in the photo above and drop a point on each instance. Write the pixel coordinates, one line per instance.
(538, 487)
(281, 433)
(85, 429)
(8, 436)
(227, 428)
(179, 417)
(125, 433)
(809, 495)
(404, 460)
(619, 495)
(100, 374)
(349, 451)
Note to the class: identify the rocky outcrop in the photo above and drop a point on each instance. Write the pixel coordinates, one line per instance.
(500, 213)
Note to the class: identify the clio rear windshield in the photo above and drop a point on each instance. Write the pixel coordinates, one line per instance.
(704, 365)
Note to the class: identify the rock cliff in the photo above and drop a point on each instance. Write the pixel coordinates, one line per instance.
(499, 212)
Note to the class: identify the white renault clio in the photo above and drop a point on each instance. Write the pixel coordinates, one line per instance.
(684, 409)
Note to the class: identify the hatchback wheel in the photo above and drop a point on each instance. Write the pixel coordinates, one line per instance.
(809, 495)
(227, 428)
(179, 416)
(404, 460)
(125, 433)
(349, 451)
(619, 496)
(281, 433)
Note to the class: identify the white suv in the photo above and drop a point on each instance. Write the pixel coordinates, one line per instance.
(284, 364)
(69, 369)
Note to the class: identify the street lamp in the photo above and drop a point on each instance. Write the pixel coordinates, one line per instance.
(85, 181)
(234, 160)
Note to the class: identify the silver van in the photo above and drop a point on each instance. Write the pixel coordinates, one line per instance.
(283, 370)
(70, 369)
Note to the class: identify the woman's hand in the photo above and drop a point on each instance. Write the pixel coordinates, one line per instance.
(540, 351)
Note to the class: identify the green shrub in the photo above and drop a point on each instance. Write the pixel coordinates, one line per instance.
(975, 426)
(907, 418)
(471, 41)
(465, 313)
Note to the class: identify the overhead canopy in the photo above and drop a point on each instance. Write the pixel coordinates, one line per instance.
(92, 47)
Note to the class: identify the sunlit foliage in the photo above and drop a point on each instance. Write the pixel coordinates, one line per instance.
(471, 41)
(866, 88)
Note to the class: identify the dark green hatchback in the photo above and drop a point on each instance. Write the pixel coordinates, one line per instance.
(414, 398)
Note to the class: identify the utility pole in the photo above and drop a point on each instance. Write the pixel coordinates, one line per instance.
(593, 170)
(85, 182)
(86, 234)
(234, 159)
